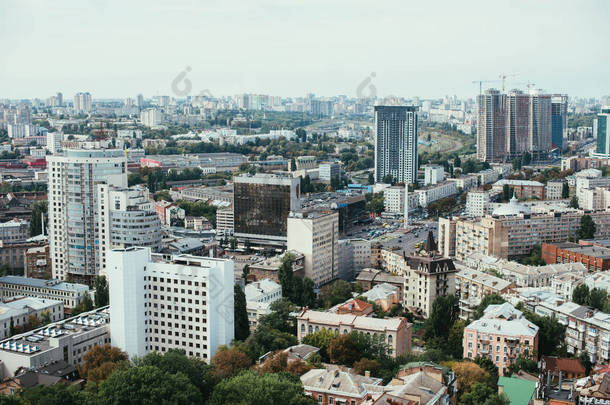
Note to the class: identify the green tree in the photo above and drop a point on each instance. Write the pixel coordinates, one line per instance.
(526, 159)
(285, 275)
(101, 292)
(454, 339)
(535, 257)
(39, 210)
(343, 350)
(260, 389)
(506, 192)
(280, 317)
(551, 333)
(388, 179)
(488, 365)
(524, 363)
(321, 339)
(245, 272)
(457, 162)
(487, 300)
(242, 328)
(585, 360)
(335, 293)
(482, 394)
(580, 294)
(293, 165)
(85, 305)
(574, 202)
(147, 385)
(597, 298)
(565, 190)
(59, 394)
(442, 316)
(308, 298)
(587, 228)
(375, 203)
(101, 361)
(371, 178)
(175, 361)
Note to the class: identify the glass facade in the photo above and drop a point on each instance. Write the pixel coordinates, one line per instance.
(261, 209)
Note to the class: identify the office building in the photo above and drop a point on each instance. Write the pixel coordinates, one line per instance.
(330, 171)
(70, 294)
(503, 335)
(261, 206)
(396, 143)
(66, 340)
(603, 133)
(73, 208)
(225, 221)
(126, 218)
(183, 303)
(82, 103)
(316, 235)
(139, 101)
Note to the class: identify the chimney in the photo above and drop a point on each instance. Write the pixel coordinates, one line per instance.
(367, 373)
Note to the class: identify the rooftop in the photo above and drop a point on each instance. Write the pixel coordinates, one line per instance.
(335, 380)
(357, 322)
(518, 391)
(40, 283)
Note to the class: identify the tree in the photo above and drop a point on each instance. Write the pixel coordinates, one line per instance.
(280, 317)
(265, 339)
(101, 292)
(487, 300)
(229, 362)
(33, 321)
(442, 316)
(467, 373)
(285, 274)
(342, 350)
(524, 363)
(482, 394)
(175, 361)
(245, 272)
(321, 339)
(85, 305)
(59, 394)
(488, 365)
(335, 293)
(457, 162)
(101, 361)
(565, 190)
(388, 179)
(574, 202)
(580, 294)
(454, 346)
(260, 389)
(526, 159)
(506, 192)
(39, 210)
(293, 165)
(45, 317)
(308, 297)
(587, 228)
(364, 364)
(240, 316)
(371, 178)
(597, 298)
(147, 385)
(551, 334)
(585, 360)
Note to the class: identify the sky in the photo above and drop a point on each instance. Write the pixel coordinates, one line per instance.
(431, 48)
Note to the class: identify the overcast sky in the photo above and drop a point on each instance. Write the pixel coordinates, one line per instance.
(420, 48)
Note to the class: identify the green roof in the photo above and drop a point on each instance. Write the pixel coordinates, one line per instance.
(518, 391)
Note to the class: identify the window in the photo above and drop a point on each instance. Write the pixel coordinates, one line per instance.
(331, 400)
(302, 328)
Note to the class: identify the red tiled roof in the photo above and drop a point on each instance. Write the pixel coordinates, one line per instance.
(564, 365)
(355, 305)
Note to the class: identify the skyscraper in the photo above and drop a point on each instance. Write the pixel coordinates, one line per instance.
(517, 123)
(540, 127)
(261, 206)
(603, 133)
(491, 126)
(396, 143)
(82, 103)
(73, 208)
(559, 116)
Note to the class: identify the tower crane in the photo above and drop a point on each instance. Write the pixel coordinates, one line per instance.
(503, 78)
(481, 84)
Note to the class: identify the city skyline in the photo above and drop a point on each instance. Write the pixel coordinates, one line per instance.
(142, 47)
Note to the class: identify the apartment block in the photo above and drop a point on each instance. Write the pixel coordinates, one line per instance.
(70, 294)
(594, 258)
(472, 285)
(316, 235)
(502, 335)
(523, 189)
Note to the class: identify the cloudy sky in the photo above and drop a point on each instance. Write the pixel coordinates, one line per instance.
(426, 48)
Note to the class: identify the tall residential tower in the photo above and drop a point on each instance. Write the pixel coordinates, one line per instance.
(396, 143)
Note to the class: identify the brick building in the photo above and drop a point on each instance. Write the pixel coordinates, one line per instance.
(594, 258)
(37, 262)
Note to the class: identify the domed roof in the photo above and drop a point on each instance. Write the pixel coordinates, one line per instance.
(512, 208)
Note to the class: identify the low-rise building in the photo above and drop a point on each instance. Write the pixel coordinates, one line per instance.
(436, 192)
(15, 230)
(66, 340)
(433, 174)
(594, 258)
(487, 176)
(385, 295)
(268, 268)
(502, 334)
(472, 285)
(71, 294)
(397, 331)
(466, 181)
(554, 189)
(37, 262)
(523, 189)
(197, 223)
(15, 313)
(333, 385)
(369, 278)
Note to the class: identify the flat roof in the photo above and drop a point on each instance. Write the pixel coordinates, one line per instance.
(53, 284)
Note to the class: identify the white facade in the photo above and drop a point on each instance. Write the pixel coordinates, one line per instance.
(156, 305)
(316, 236)
(433, 174)
(597, 198)
(54, 141)
(69, 293)
(436, 192)
(18, 311)
(151, 117)
(488, 176)
(554, 189)
(394, 200)
(126, 217)
(466, 182)
(82, 103)
(328, 171)
(477, 203)
(73, 210)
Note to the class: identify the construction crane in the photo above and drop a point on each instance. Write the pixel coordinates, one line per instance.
(503, 78)
(481, 84)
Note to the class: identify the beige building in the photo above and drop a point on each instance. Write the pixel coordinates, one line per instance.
(316, 235)
(472, 285)
(224, 220)
(512, 230)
